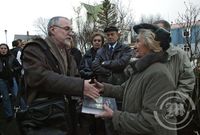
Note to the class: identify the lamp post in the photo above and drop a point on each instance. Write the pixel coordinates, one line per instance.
(6, 35)
(27, 34)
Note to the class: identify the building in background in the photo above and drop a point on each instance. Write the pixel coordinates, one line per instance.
(182, 37)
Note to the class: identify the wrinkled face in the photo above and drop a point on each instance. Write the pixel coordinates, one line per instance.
(62, 32)
(112, 36)
(97, 42)
(3, 50)
(140, 48)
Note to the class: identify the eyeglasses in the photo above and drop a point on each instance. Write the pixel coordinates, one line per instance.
(66, 28)
(97, 40)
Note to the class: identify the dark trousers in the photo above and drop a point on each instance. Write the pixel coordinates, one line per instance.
(89, 125)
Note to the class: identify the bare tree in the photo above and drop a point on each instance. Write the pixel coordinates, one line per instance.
(84, 30)
(41, 26)
(189, 21)
(190, 24)
(125, 14)
(125, 19)
(150, 19)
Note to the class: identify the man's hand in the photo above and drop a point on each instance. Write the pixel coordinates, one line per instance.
(90, 90)
(98, 85)
(107, 113)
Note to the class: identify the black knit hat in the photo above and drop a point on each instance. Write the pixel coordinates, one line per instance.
(111, 28)
(162, 35)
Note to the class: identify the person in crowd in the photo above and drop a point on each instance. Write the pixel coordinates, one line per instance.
(44, 79)
(19, 52)
(74, 51)
(112, 58)
(9, 66)
(110, 62)
(142, 92)
(179, 64)
(89, 124)
(97, 42)
(16, 51)
(180, 68)
(16, 44)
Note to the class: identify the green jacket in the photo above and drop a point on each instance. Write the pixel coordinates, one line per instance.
(181, 70)
(140, 94)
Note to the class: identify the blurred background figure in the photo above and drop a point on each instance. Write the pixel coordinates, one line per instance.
(97, 41)
(110, 62)
(9, 67)
(75, 52)
(89, 124)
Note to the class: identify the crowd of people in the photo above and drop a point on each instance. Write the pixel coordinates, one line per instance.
(53, 68)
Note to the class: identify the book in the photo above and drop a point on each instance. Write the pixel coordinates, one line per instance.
(91, 106)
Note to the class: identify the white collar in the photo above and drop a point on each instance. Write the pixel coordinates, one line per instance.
(113, 45)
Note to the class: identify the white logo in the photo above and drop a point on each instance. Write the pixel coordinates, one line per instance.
(172, 105)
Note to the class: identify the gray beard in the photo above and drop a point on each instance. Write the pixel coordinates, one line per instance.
(67, 43)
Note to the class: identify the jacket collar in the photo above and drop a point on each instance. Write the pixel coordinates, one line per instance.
(171, 51)
(144, 62)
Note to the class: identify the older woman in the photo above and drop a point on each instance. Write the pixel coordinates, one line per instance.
(97, 41)
(146, 91)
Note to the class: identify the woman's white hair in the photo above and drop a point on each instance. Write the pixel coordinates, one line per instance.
(149, 40)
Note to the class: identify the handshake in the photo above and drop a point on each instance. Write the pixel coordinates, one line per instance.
(92, 88)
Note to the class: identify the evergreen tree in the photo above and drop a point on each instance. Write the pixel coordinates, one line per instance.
(107, 16)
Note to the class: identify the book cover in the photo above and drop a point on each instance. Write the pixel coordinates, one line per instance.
(91, 106)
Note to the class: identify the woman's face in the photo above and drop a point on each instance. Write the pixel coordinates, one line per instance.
(97, 42)
(3, 50)
(140, 48)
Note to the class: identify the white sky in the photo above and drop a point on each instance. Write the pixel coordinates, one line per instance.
(18, 16)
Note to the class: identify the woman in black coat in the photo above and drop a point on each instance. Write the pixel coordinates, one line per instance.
(9, 67)
(86, 71)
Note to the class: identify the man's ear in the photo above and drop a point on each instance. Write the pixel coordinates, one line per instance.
(51, 29)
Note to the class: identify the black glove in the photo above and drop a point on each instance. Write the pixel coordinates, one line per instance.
(86, 74)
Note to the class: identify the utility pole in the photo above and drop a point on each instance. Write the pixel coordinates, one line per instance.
(6, 36)
(27, 34)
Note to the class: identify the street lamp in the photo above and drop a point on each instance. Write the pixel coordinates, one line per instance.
(6, 36)
(27, 34)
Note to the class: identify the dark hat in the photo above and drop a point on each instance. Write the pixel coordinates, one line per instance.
(151, 27)
(111, 28)
(162, 35)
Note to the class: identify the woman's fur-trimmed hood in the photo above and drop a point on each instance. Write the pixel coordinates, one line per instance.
(144, 62)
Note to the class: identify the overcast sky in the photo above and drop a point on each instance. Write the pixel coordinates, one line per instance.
(18, 16)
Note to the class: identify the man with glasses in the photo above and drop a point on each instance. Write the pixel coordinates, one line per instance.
(49, 77)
